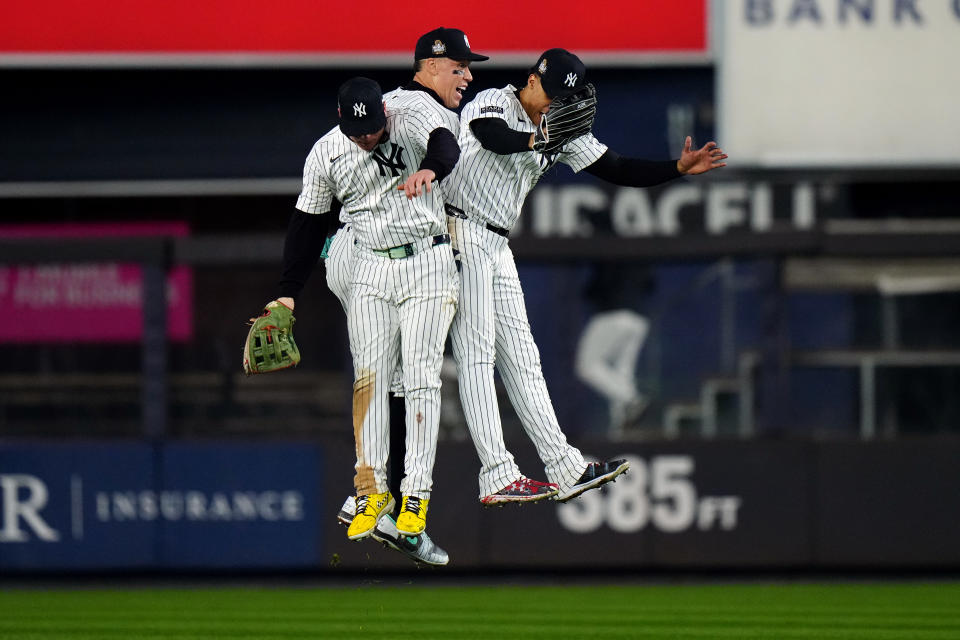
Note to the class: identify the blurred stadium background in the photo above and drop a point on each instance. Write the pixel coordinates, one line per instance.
(797, 404)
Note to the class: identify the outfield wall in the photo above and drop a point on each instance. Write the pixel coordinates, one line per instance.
(265, 505)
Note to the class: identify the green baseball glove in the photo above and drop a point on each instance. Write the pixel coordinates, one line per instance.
(270, 344)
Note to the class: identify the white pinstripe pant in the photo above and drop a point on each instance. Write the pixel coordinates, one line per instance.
(400, 306)
(491, 328)
(339, 268)
(339, 265)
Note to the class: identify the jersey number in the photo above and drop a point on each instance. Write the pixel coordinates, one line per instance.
(394, 163)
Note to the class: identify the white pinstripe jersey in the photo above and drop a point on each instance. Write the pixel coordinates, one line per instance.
(366, 181)
(492, 187)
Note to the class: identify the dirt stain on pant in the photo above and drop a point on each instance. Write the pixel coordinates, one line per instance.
(364, 480)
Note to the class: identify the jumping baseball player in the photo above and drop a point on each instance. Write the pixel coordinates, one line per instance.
(338, 259)
(507, 142)
(365, 172)
(405, 283)
(432, 48)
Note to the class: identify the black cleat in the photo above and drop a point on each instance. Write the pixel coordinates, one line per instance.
(597, 474)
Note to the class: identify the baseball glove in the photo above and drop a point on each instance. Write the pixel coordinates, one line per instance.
(270, 344)
(568, 118)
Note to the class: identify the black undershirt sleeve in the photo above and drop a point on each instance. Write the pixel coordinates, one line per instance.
(495, 135)
(632, 172)
(306, 235)
(442, 152)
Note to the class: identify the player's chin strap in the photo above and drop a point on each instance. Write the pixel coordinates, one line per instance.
(542, 137)
(544, 132)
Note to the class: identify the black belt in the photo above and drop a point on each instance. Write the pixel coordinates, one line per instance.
(500, 231)
(407, 250)
(454, 212)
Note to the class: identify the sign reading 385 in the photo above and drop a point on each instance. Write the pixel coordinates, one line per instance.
(659, 492)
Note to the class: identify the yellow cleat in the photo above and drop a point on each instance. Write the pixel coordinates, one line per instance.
(413, 516)
(370, 508)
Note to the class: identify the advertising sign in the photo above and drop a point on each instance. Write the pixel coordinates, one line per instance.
(50, 512)
(834, 83)
(679, 208)
(129, 505)
(99, 302)
(240, 505)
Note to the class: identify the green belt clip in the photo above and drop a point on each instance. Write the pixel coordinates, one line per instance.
(326, 248)
(395, 253)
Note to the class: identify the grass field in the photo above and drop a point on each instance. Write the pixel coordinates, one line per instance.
(409, 611)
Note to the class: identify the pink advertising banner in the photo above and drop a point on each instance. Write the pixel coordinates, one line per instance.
(94, 302)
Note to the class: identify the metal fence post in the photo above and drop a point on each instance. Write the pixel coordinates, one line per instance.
(153, 385)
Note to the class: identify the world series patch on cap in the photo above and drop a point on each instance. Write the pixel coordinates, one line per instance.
(561, 73)
(445, 43)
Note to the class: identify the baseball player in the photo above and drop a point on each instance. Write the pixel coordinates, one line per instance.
(338, 259)
(305, 245)
(484, 193)
(405, 284)
(338, 256)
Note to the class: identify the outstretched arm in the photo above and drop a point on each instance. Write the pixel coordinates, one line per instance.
(632, 172)
(635, 172)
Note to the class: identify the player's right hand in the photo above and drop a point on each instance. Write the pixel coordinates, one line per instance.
(707, 158)
(417, 183)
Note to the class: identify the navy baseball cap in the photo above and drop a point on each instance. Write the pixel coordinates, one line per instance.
(361, 107)
(561, 73)
(445, 43)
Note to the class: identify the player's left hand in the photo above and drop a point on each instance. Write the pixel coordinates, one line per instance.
(270, 345)
(704, 159)
(418, 183)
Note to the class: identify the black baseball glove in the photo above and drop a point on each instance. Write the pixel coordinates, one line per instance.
(569, 117)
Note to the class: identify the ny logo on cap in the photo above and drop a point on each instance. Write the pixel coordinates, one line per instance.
(543, 66)
(465, 41)
(360, 109)
(571, 80)
(438, 48)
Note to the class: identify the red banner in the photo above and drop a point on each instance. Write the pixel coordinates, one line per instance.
(311, 27)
